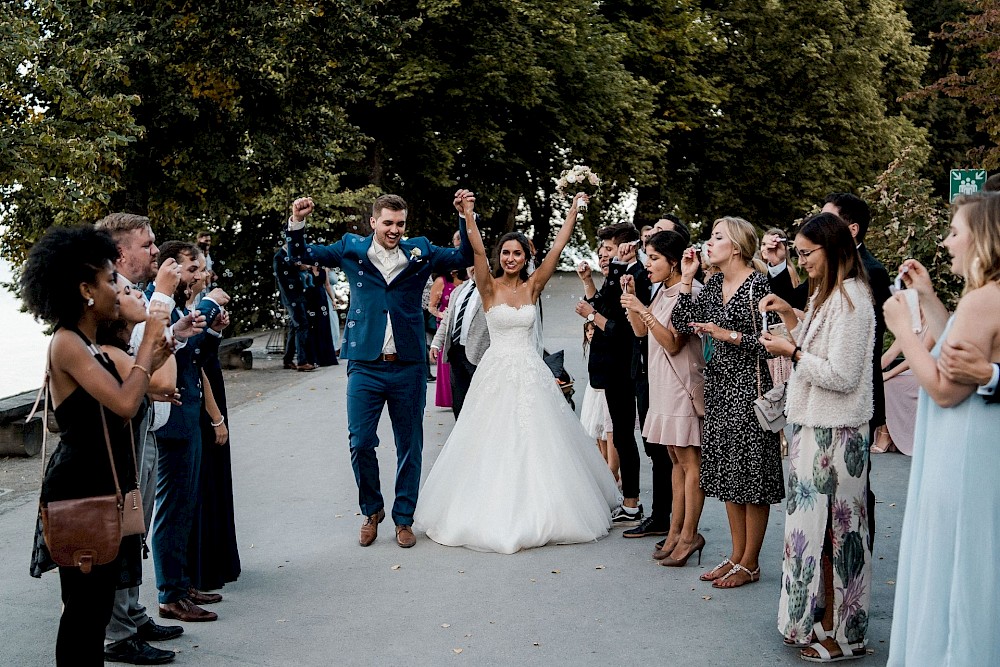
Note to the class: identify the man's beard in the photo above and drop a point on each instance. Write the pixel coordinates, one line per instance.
(205, 247)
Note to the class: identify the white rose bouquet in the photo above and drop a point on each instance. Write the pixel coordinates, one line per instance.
(578, 178)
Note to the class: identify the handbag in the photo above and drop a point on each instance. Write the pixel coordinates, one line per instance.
(81, 532)
(769, 408)
(133, 518)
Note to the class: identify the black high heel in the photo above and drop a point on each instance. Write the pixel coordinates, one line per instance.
(699, 544)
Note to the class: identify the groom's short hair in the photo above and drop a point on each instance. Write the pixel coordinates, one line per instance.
(623, 232)
(391, 202)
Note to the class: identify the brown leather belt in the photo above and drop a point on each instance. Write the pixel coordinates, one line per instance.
(388, 357)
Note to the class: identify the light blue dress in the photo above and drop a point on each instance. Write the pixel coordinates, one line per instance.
(947, 609)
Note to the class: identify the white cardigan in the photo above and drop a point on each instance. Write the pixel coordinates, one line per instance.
(831, 385)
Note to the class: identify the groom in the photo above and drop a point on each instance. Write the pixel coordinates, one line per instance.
(384, 345)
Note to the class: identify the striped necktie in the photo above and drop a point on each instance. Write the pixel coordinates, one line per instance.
(456, 334)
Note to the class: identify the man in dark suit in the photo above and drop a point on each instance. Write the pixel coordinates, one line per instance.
(384, 344)
(610, 363)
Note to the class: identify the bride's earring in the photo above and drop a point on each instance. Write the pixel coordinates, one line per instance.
(90, 301)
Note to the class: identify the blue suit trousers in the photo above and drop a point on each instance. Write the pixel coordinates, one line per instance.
(371, 385)
(177, 497)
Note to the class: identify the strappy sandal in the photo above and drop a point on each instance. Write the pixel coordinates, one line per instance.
(819, 634)
(754, 577)
(847, 652)
(707, 576)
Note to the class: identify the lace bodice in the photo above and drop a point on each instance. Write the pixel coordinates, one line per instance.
(511, 327)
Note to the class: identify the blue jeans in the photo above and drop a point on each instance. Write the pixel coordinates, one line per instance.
(177, 488)
(403, 386)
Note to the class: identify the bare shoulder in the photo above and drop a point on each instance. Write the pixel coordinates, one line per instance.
(987, 296)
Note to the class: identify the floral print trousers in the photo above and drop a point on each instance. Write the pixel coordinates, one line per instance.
(827, 499)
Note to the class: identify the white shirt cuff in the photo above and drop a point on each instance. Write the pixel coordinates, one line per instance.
(776, 270)
(294, 226)
(990, 387)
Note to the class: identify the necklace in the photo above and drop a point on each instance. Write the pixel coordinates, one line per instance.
(513, 289)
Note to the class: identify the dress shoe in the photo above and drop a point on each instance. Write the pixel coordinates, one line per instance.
(151, 632)
(369, 529)
(200, 597)
(405, 537)
(648, 526)
(289, 366)
(136, 652)
(185, 610)
(306, 368)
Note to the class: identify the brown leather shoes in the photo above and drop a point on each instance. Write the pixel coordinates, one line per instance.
(200, 597)
(405, 537)
(369, 529)
(185, 610)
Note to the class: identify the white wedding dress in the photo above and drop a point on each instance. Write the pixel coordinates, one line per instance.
(518, 470)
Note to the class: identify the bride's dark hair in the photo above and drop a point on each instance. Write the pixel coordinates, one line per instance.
(512, 236)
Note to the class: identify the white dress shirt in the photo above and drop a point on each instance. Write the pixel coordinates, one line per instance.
(390, 264)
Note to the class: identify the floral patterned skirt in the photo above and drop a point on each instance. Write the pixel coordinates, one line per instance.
(827, 480)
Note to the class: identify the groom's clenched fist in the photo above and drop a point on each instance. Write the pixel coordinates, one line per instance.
(301, 208)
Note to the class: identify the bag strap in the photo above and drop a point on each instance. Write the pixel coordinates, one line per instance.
(43, 395)
(753, 324)
(687, 391)
(111, 456)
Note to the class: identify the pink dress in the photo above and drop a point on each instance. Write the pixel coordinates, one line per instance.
(442, 390)
(673, 418)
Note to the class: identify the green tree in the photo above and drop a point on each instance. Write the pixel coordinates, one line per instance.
(500, 96)
(976, 79)
(808, 105)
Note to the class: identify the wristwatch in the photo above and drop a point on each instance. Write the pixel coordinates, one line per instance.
(590, 318)
(733, 335)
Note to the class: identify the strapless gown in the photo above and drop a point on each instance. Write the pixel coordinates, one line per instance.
(518, 470)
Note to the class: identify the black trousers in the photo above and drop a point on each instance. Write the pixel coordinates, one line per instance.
(620, 394)
(461, 376)
(87, 603)
(663, 467)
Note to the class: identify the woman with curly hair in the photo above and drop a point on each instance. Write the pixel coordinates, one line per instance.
(69, 281)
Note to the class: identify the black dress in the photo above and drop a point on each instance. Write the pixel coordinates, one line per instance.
(740, 462)
(79, 468)
(213, 554)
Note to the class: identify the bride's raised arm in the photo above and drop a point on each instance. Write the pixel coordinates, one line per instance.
(465, 202)
(548, 266)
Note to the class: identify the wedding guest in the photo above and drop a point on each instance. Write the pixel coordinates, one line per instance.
(901, 393)
(128, 637)
(676, 396)
(213, 555)
(594, 410)
(69, 282)
(829, 403)
(131, 628)
(180, 450)
(611, 360)
(441, 291)
(741, 463)
(461, 340)
(945, 607)
(292, 291)
(645, 232)
(321, 336)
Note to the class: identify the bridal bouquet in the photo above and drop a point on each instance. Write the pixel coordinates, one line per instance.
(578, 178)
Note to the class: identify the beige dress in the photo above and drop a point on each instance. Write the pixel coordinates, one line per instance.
(673, 418)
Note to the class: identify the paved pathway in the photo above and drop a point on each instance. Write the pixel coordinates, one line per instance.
(309, 595)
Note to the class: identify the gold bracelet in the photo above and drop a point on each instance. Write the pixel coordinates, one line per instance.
(219, 423)
(145, 370)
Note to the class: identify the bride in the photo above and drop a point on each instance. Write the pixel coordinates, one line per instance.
(518, 470)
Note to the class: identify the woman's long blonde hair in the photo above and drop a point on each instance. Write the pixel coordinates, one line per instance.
(982, 213)
(744, 237)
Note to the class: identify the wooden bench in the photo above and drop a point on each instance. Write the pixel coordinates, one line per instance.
(18, 438)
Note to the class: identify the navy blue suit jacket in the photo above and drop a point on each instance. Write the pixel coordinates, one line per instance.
(372, 299)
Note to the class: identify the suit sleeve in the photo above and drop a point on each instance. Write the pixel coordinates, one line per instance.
(306, 253)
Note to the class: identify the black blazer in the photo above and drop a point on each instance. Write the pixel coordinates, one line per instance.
(611, 350)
